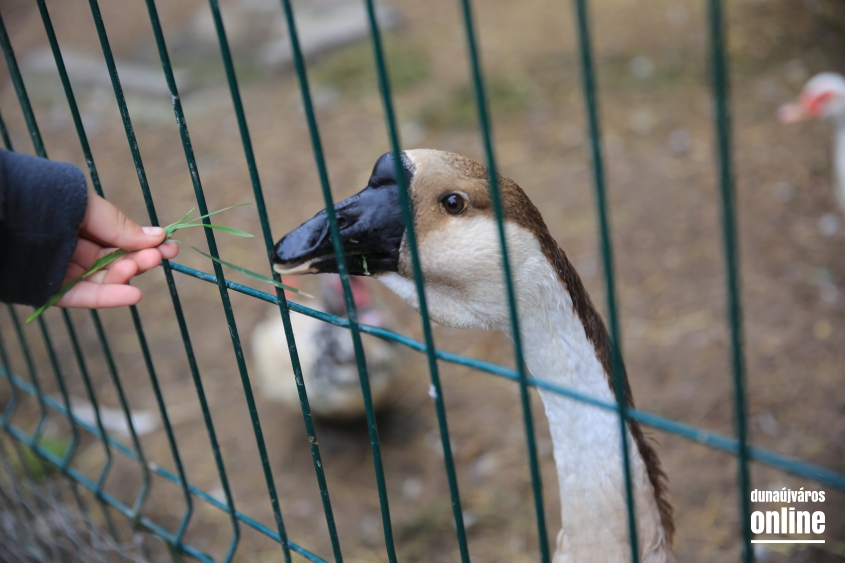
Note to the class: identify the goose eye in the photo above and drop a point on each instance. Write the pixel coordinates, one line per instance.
(453, 203)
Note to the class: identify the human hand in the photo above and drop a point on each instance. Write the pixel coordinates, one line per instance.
(105, 229)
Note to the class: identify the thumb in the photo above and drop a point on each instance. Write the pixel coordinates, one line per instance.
(106, 224)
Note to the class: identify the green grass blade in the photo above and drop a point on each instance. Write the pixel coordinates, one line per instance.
(95, 267)
(222, 228)
(254, 275)
(104, 261)
(201, 217)
(182, 223)
(173, 226)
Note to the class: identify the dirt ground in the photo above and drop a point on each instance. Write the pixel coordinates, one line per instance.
(652, 61)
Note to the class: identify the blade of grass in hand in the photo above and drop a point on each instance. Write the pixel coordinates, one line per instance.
(201, 217)
(182, 223)
(96, 266)
(254, 275)
(172, 226)
(228, 230)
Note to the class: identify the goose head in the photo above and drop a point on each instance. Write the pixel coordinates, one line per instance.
(564, 337)
(457, 235)
(823, 97)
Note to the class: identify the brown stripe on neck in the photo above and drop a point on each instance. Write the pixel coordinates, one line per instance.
(597, 334)
(522, 211)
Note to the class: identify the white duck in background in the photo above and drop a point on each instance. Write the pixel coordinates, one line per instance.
(823, 97)
(329, 368)
(563, 336)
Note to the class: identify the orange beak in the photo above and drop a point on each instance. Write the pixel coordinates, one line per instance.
(793, 113)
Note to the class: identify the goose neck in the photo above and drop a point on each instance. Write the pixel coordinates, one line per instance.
(587, 444)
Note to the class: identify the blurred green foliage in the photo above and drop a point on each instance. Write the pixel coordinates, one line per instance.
(351, 71)
(456, 108)
(28, 462)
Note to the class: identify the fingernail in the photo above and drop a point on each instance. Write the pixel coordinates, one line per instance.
(153, 231)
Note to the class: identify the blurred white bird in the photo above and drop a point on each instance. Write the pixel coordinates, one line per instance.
(823, 97)
(326, 353)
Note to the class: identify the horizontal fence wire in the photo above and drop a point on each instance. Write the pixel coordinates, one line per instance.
(737, 446)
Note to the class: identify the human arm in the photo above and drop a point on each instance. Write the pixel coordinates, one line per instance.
(52, 229)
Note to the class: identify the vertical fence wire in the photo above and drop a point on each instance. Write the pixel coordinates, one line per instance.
(495, 196)
(168, 272)
(722, 124)
(302, 75)
(4, 133)
(588, 82)
(212, 247)
(319, 468)
(70, 449)
(40, 149)
(32, 440)
(12, 403)
(259, 196)
(168, 428)
(127, 413)
(33, 375)
(86, 149)
(107, 450)
(95, 181)
(20, 89)
(407, 215)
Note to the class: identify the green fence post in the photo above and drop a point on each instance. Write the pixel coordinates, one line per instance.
(722, 123)
(407, 215)
(299, 64)
(495, 196)
(588, 82)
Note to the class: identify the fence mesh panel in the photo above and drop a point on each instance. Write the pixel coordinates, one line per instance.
(38, 512)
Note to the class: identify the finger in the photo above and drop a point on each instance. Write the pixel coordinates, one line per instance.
(106, 224)
(122, 272)
(169, 250)
(118, 272)
(88, 252)
(99, 296)
(146, 259)
(73, 272)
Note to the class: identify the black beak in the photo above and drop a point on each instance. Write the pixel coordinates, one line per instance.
(371, 231)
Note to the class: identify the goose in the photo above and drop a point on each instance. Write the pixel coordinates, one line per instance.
(823, 97)
(563, 336)
(329, 368)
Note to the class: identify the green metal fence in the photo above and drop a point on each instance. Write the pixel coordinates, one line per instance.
(31, 385)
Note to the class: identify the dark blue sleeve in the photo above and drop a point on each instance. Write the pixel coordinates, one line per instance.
(42, 205)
